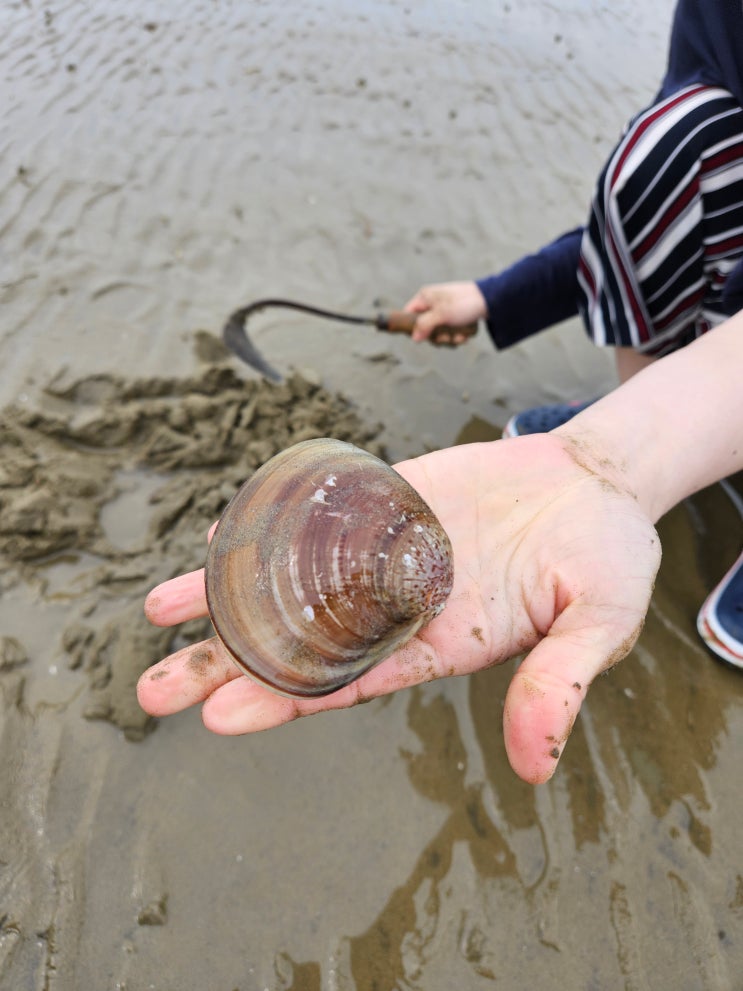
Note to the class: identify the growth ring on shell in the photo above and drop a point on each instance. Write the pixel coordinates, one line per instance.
(324, 563)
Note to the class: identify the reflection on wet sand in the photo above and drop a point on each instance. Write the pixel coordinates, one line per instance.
(416, 922)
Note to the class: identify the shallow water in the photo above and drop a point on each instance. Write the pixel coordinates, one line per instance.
(160, 168)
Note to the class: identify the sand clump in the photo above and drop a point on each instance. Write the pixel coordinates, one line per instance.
(109, 485)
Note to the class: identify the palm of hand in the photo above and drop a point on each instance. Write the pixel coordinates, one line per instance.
(548, 558)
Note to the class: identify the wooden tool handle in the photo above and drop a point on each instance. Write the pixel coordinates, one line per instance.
(400, 322)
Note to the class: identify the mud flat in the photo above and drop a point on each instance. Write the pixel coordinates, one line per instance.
(158, 168)
(113, 486)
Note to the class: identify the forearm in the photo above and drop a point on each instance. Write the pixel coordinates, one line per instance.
(535, 292)
(673, 428)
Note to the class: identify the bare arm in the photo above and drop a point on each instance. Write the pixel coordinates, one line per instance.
(673, 428)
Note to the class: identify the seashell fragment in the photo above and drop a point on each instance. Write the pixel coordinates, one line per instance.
(324, 563)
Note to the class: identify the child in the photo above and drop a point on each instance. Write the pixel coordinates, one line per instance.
(660, 260)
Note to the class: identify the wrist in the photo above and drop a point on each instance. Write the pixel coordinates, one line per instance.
(627, 441)
(673, 428)
(590, 448)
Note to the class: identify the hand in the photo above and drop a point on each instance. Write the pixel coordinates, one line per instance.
(550, 557)
(453, 304)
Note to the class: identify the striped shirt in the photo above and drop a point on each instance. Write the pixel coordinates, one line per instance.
(666, 225)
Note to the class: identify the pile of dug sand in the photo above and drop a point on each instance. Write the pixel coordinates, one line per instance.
(111, 484)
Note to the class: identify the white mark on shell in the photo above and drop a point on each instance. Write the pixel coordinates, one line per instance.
(319, 496)
(309, 612)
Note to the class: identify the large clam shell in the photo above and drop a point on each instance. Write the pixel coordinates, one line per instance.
(324, 563)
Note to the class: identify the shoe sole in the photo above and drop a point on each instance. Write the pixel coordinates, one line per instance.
(510, 429)
(711, 630)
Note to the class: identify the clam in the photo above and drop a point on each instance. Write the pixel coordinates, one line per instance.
(324, 562)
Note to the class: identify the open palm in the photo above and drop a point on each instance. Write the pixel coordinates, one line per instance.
(550, 559)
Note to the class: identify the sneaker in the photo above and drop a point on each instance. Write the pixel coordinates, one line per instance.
(542, 419)
(720, 620)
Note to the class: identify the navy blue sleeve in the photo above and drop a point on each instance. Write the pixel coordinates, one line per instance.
(535, 292)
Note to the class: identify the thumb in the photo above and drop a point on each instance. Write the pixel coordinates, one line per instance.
(417, 303)
(425, 325)
(547, 691)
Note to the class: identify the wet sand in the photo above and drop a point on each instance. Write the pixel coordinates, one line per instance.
(158, 169)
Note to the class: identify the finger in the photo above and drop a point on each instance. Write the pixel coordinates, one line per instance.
(418, 303)
(547, 691)
(177, 600)
(425, 325)
(185, 678)
(447, 337)
(245, 707)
